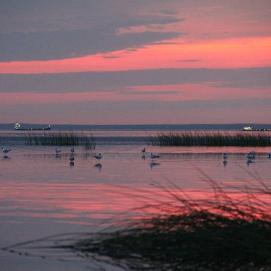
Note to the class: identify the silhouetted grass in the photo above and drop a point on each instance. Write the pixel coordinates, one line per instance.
(60, 139)
(222, 232)
(254, 139)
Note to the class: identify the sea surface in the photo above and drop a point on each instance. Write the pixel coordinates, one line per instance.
(43, 196)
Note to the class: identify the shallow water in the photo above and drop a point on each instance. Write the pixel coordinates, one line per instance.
(43, 195)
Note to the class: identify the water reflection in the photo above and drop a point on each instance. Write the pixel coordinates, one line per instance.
(98, 166)
(154, 164)
(225, 163)
(54, 188)
(40, 192)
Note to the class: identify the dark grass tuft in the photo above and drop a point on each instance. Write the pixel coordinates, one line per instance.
(223, 232)
(60, 139)
(255, 139)
(216, 242)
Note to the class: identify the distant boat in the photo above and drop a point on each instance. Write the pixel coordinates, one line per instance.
(18, 127)
(252, 129)
(247, 128)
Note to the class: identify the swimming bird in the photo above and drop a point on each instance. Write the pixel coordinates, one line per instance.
(6, 150)
(71, 158)
(251, 155)
(58, 151)
(143, 150)
(269, 155)
(72, 150)
(154, 156)
(225, 156)
(98, 156)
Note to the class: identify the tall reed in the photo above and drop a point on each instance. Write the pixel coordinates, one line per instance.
(60, 139)
(244, 139)
(224, 231)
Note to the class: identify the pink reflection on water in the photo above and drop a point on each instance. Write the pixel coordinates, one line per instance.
(71, 202)
(35, 186)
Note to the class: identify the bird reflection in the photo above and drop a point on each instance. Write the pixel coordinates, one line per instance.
(225, 163)
(6, 157)
(154, 164)
(98, 166)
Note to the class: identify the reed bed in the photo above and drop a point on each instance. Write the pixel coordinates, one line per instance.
(60, 139)
(243, 139)
(222, 232)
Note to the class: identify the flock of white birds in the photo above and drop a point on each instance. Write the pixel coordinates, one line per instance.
(251, 156)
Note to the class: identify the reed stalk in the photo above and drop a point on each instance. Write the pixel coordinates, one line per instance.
(218, 139)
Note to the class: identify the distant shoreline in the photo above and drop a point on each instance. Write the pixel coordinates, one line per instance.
(136, 127)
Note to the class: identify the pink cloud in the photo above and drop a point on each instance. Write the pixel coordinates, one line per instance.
(228, 53)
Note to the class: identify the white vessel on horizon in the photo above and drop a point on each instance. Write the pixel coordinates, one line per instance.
(18, 127)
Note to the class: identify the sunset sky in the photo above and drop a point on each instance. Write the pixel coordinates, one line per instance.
(135, 61)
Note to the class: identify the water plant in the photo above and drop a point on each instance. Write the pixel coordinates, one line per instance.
(255, 139)
(225, 231)
(60, 139)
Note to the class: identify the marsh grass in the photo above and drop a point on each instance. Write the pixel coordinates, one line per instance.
(225, 231)
(60, 139)
(246, 139)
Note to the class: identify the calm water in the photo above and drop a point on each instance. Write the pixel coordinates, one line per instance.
(42, 195)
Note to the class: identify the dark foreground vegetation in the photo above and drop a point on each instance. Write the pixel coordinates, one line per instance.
(253, 139)
(60, 139)
(223, 232)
